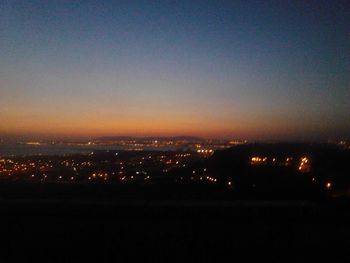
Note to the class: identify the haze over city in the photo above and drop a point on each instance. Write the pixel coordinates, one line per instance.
(215, 69)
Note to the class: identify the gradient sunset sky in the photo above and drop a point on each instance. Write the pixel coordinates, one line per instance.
(224, 69)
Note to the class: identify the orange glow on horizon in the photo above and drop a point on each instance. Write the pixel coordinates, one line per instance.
(94, 124)
(150, 122)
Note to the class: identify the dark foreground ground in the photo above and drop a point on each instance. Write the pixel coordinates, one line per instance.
(102, 225)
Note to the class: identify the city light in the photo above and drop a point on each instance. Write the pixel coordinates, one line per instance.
(329, 185)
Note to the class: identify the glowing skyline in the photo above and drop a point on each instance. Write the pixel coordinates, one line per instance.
(205, 68)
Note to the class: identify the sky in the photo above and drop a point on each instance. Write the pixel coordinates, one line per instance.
(220, 69)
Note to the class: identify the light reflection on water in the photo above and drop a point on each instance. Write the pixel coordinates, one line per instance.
(22, 149)
(58, 149)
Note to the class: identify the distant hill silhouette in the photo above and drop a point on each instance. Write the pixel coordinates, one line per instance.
(151, 138)
(329, 163)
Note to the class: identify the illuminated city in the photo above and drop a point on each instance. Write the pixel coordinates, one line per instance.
(184, 160)
(174, 131)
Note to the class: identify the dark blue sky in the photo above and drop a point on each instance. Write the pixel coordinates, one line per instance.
(240, 69)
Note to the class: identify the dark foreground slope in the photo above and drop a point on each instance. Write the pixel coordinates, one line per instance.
(180, 228)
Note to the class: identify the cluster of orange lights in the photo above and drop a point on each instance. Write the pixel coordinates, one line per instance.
(211, 179)
(99, 175)
(304, 165)
(258, 160)
(9, 167)
(183, 155)
(205, 151)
